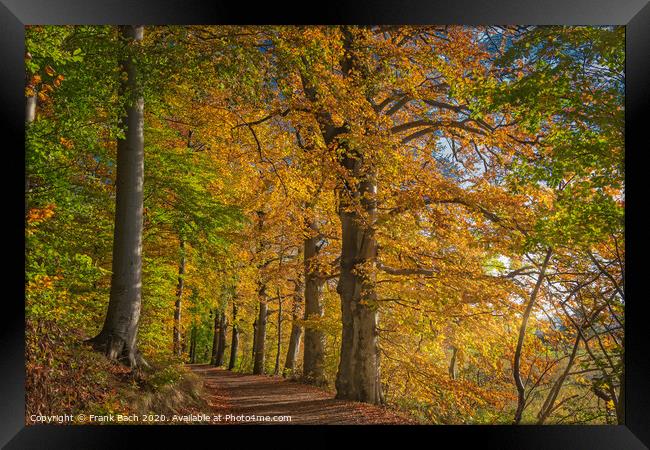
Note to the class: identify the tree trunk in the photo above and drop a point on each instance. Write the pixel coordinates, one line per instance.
(179, 299)
(358, 375)
(254, 338)
(549, 403)
(31, 103)
(296, 332)
(215, 337)
(276, 369)
(260, 338)
(314, 348)
(452, 363)
(234, 342)
(30, 107)
(221, 348)
(521, 393)
(193, 346)
(31, 100)
(118, 336)
(620, 406)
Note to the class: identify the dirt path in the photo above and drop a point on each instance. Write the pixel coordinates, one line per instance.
(260, 395)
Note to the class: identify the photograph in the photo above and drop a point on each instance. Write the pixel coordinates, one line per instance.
(325, 224)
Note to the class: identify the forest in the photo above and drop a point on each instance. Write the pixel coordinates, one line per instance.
(429, 219)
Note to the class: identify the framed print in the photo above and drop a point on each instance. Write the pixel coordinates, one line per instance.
(392, 217)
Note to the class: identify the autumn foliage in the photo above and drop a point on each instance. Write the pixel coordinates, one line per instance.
(440, 207)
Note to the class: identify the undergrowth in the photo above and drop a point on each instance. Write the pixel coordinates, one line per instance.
(65, 376)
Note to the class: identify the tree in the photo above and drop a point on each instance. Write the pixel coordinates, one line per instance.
(568, 89)
(118, 337)
(260, 333)
(296, 328)
(521, 397)
(314, 353)
(215, 337)
(362, 125)
(234, 341)
(179, 299)
(358, 375)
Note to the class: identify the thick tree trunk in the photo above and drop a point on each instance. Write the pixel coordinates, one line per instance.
(221, 348)
(260, 338)
(118, 336)
(234, 342)
(215, 337)
(314, 348)
(521, 393)
(292, 351)
(358, 377)
(179, 300)
(296, 332)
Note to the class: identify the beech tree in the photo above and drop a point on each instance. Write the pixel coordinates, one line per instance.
(234, 340)
(118, 337)
(296, 328)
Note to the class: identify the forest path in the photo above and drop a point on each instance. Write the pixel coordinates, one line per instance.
(262, 395)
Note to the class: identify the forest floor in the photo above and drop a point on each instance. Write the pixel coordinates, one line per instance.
(232, 393)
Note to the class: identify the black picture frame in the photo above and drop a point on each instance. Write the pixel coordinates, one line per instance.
(634, 14)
